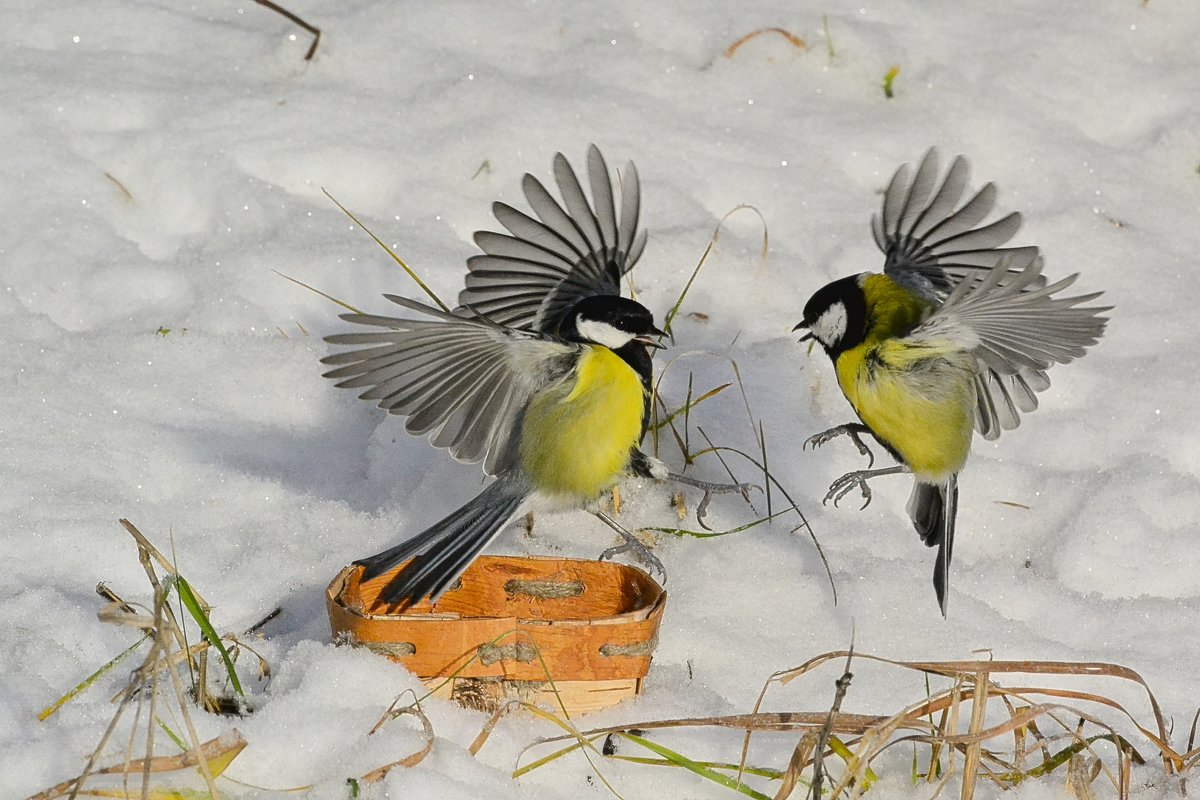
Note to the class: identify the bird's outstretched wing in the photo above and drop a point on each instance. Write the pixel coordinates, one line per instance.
(1017, 329)
(465, 380)
(931, 242)
(530, 277)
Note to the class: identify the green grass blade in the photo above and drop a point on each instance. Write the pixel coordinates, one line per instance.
(762, 772)
(715, 534)
(1063, 756)
(694, 766)
(692, 403)
(557, 754)
(174, 737)
(210, 633)
(86, 683)
(682, 295)
(843, 752)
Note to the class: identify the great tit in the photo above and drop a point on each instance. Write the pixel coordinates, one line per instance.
(956, 333)
(542, 373)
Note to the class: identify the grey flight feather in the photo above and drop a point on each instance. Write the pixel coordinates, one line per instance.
(1017, 329)
(563, 252)
(463, 379)
(933, 244)
(930, 243)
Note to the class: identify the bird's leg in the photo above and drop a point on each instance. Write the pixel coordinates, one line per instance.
(631, 545)
(851, 429)
(709, 488)
(842, 486)
(651, 467)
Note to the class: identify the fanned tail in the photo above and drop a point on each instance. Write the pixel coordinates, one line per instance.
(441, 553)
(933, 508)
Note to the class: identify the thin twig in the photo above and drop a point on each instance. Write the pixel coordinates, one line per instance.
(314, 30)
(841, 685)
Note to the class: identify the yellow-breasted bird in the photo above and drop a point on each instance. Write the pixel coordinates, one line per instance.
(955, 334)
(542, 373)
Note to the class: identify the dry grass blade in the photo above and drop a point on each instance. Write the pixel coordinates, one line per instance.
(218, 752)
(391, 253)
(163, 634)
(712, 242)
(315, 290)
(490, 725)
(716, 534)
(974, 750)
(412, 759)
(762, 721)
(770, 479)
(791, 38)
(797, 763)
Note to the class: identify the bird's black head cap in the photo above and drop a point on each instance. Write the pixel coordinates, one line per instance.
(836, 315)
(610, 320)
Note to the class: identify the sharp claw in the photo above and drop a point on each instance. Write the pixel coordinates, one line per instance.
(863, 450)
(702, 509)
(843, 485)
(641, 552)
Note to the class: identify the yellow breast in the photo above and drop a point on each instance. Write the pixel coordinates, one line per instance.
(922, 410)
(577, 435)
(919, 400)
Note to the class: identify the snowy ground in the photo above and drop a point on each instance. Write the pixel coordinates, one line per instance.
(160, 161)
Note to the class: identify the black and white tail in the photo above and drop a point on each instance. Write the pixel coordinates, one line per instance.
(933, 508)
(441, 553)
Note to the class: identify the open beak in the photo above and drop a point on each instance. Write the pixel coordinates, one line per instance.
(806, 336)
(651, 339)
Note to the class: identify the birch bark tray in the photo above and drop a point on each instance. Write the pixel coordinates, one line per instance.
(510, 626)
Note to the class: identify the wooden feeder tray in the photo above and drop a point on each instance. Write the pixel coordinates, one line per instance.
(509, 626)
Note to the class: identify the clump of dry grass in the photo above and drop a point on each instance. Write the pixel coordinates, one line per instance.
(169, 686)
(1080, 734)
(156, 691)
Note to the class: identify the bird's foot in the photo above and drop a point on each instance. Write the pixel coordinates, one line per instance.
(843, 485)
(852, 430)
(709, 488)
(631, 545)
(640, 551)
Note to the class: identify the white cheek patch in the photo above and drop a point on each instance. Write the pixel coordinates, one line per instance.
(830, 327)
(603, 333)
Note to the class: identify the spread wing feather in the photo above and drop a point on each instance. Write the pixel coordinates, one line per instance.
(1017, 329)
(930, 244)
(465, 380)
(547, 262)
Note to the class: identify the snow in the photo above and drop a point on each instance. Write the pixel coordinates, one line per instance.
(162, 161)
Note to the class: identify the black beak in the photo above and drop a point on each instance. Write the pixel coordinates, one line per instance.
(806, 336)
